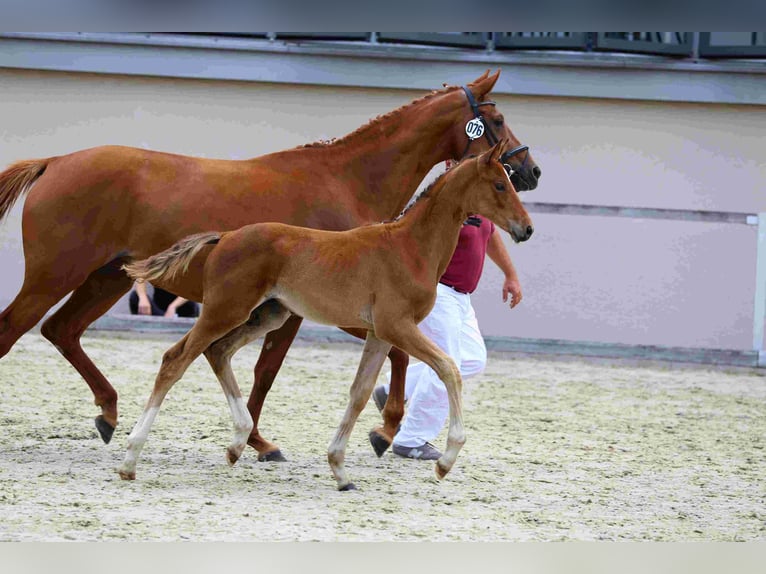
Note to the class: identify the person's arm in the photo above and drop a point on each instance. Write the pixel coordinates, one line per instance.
(174, 305)
(144, 306)
(499, 254)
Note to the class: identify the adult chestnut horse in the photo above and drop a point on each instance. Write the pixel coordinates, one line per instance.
(92, 211)
(378, 278)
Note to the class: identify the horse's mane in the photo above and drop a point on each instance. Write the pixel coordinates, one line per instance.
(378, 119)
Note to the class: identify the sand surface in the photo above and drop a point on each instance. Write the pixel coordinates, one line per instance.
(557, 450)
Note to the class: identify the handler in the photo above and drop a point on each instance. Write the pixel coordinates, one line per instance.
(452, 325)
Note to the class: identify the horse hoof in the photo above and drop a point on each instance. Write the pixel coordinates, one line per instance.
(272, 456)
(346, 488)
(104, 429)
(379, 443)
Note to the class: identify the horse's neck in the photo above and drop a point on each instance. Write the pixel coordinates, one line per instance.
(432, 225)
(391, 155)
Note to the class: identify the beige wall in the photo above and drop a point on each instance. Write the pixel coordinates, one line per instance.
(584, 278)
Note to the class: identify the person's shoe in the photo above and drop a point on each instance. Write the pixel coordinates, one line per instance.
(425, 451)
(380, 396)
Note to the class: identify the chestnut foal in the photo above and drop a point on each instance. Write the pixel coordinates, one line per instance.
(381, 278)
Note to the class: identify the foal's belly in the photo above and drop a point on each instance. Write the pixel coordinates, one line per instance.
(326, 310)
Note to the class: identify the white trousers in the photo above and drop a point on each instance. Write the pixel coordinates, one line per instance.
(452, 325)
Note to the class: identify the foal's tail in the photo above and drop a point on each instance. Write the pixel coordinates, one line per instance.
(15, 180)
(167, 264)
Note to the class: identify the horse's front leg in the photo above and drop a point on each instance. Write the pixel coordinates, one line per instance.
(373, 355)
(275, 347)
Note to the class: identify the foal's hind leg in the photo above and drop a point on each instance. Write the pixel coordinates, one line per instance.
(270, 315)
(211, 325)
(100, 291)
(373, 356)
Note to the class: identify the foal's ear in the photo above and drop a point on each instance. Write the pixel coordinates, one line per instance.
(496, 152)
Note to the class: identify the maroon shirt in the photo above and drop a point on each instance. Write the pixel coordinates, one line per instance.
(465, 267)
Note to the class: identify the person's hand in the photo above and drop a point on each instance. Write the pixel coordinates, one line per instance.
(512, 288)
(144, 307)
(173, 307)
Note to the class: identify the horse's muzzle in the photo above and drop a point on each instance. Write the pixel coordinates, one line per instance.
(526, 179)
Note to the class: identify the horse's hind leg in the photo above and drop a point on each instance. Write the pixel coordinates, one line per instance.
(373, 356)
(23, 313)
(275, 347)
(270, 315)
(93, 298)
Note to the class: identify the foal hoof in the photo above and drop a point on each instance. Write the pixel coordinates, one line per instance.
(346, 488)
(231, 456)
(379, 443)
(272, 456)
(127, 475)
(104, 429)
(440, 471)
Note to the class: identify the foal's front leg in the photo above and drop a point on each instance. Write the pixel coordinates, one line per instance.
(373, 355)
(393, 412)
(410, 339)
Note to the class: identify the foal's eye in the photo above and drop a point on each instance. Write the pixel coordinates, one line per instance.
(499, 186)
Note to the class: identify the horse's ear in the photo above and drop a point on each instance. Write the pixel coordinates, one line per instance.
(483, 85)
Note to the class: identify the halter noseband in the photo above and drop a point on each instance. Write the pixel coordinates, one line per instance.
(490, 135)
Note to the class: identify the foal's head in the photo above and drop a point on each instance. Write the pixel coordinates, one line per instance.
(492, 194)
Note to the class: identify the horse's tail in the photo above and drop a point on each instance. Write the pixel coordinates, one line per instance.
(167, 264)
(15, 180)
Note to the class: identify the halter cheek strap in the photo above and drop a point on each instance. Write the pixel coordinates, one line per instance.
(489, 134)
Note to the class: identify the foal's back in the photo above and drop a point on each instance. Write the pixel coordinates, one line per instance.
(329, 277)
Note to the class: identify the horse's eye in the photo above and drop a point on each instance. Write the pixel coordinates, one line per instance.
(498, 122)
(499, 186)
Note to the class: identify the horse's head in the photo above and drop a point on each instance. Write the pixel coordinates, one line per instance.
(483, 125)
(494, 196)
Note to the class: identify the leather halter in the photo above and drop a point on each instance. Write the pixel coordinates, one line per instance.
(490, 135)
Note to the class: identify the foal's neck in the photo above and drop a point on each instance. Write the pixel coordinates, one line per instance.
(432, 225)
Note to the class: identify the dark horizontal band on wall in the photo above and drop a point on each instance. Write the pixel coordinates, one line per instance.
(320, 333)
(588, 349)
(642, 212)
(383, 65)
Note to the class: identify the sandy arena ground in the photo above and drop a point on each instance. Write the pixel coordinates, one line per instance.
(557, 450)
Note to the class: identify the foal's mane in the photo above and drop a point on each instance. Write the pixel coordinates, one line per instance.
(379, 119)
(426, 193)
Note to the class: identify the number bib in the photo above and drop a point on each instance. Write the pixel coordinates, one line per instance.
(474, 129)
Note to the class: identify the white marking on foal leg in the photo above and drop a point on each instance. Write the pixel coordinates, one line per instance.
(136, 441)
(243, 424)
(456, 433)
